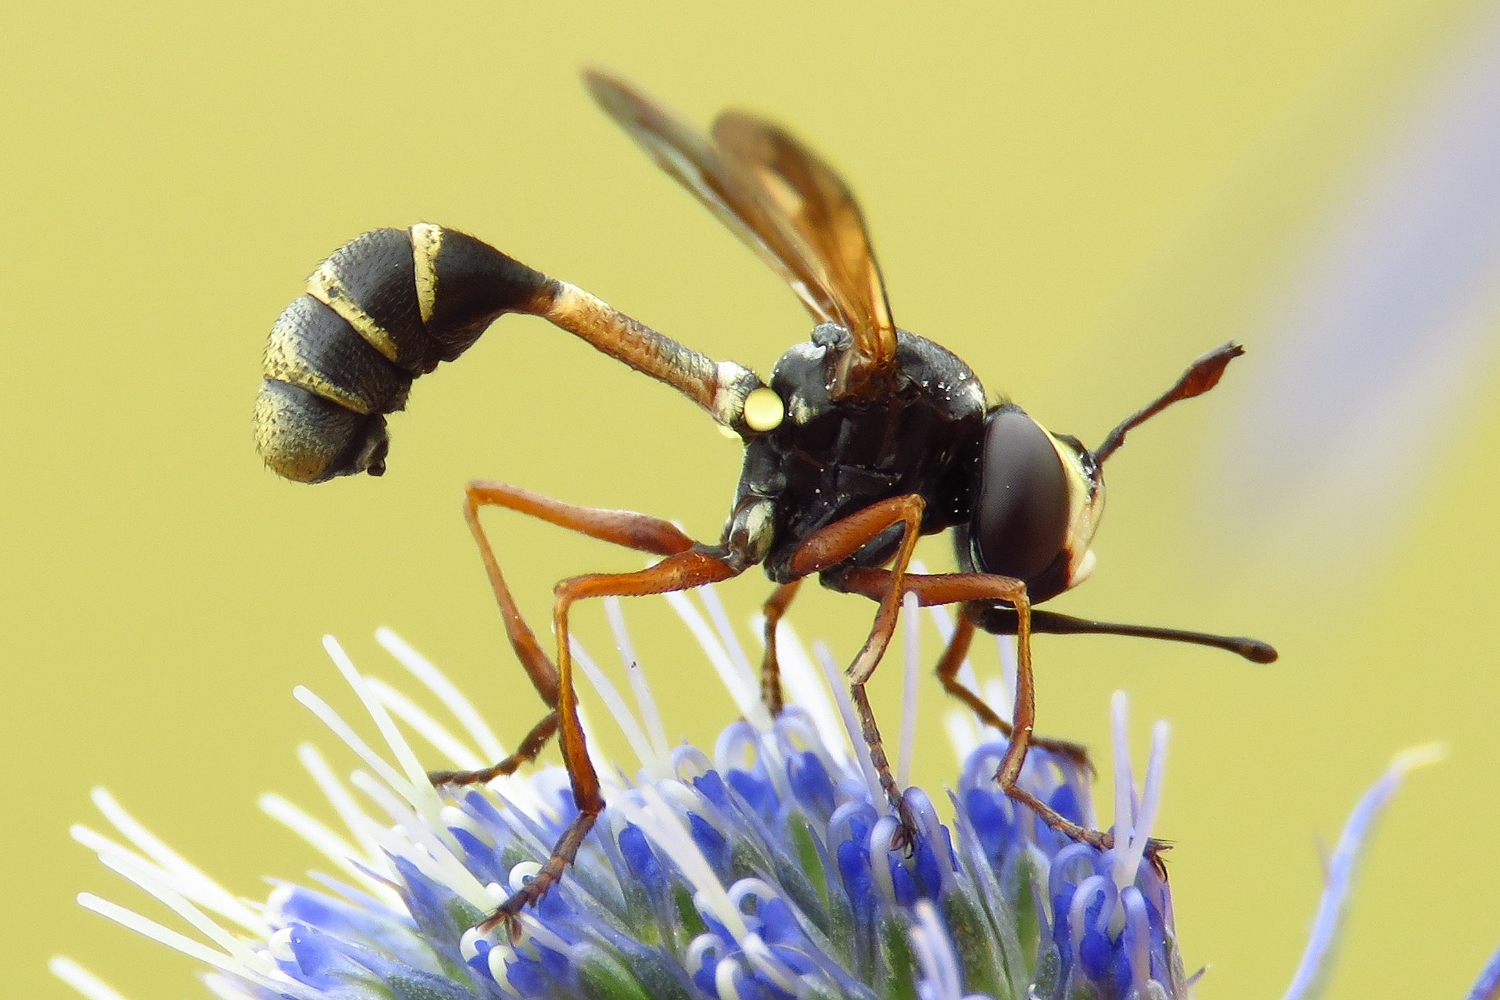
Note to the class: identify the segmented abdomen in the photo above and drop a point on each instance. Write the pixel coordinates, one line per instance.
(385, 308)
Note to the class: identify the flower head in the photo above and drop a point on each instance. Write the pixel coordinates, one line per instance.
(761, 871)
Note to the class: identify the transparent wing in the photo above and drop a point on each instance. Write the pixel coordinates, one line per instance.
(688, 156)
(806, 194)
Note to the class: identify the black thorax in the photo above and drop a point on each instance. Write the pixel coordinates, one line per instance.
(831, 458)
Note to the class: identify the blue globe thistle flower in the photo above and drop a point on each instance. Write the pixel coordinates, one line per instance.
(762, 871)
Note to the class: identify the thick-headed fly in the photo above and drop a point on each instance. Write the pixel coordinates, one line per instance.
(866, 438)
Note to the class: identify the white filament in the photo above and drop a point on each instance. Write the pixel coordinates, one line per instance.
(447, 692)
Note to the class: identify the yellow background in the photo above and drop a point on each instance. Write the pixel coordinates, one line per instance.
(1075, 198)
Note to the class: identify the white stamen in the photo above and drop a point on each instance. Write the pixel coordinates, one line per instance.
(768, 965)
(910, 677)
(421, 794)
(108, 849)
(1312, 970)
(742, 688)
(521, 873)
(496, 960)
(324, 840)
(1150, 804)
(805, 686)
(797, 729)
(455, 818)
(650, 714)
(934, 950)
(1124, 779)
(879, 846)
(698, 947)
(181, 942)
(1134, 818)
(1138, 922)
(144, 876)
(351, 739)
(725, 975)
(659, 823)
(359, 823)
(447, 692)
(436, 859)
(610, 695)
(499, 894)
(193, 882)
(82, 980)
(709, 597)
(1078, 909)
(942, 619)
(963, 732)
(543, 934)
(434, 732)
(280, 946)
(685, 800)
(852, 728)
(1002, 700)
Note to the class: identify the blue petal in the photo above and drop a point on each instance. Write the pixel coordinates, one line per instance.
(710, 841)
(1065, 801)
(642, 861)
(526, 977)
(811, 784)
(479, 857)
(1095, 952)
(711, 786)
(757, 791)
(990, 820)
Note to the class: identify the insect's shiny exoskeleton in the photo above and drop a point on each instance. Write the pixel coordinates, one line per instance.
(385, 308)
(391, 304)
(867, 438)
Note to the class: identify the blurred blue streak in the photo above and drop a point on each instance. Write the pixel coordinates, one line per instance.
(1384, 331)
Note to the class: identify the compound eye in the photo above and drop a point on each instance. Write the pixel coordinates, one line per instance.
(1020, 519)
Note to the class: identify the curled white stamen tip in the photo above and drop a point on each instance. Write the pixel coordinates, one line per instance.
(82, 980)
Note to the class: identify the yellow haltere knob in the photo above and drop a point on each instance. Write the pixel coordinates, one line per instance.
(764, 410)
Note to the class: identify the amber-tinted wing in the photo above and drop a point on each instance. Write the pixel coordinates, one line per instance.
(687, 155)
(815, 201)
(780, 199)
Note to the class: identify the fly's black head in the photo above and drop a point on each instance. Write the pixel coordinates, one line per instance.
(1036, 504)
